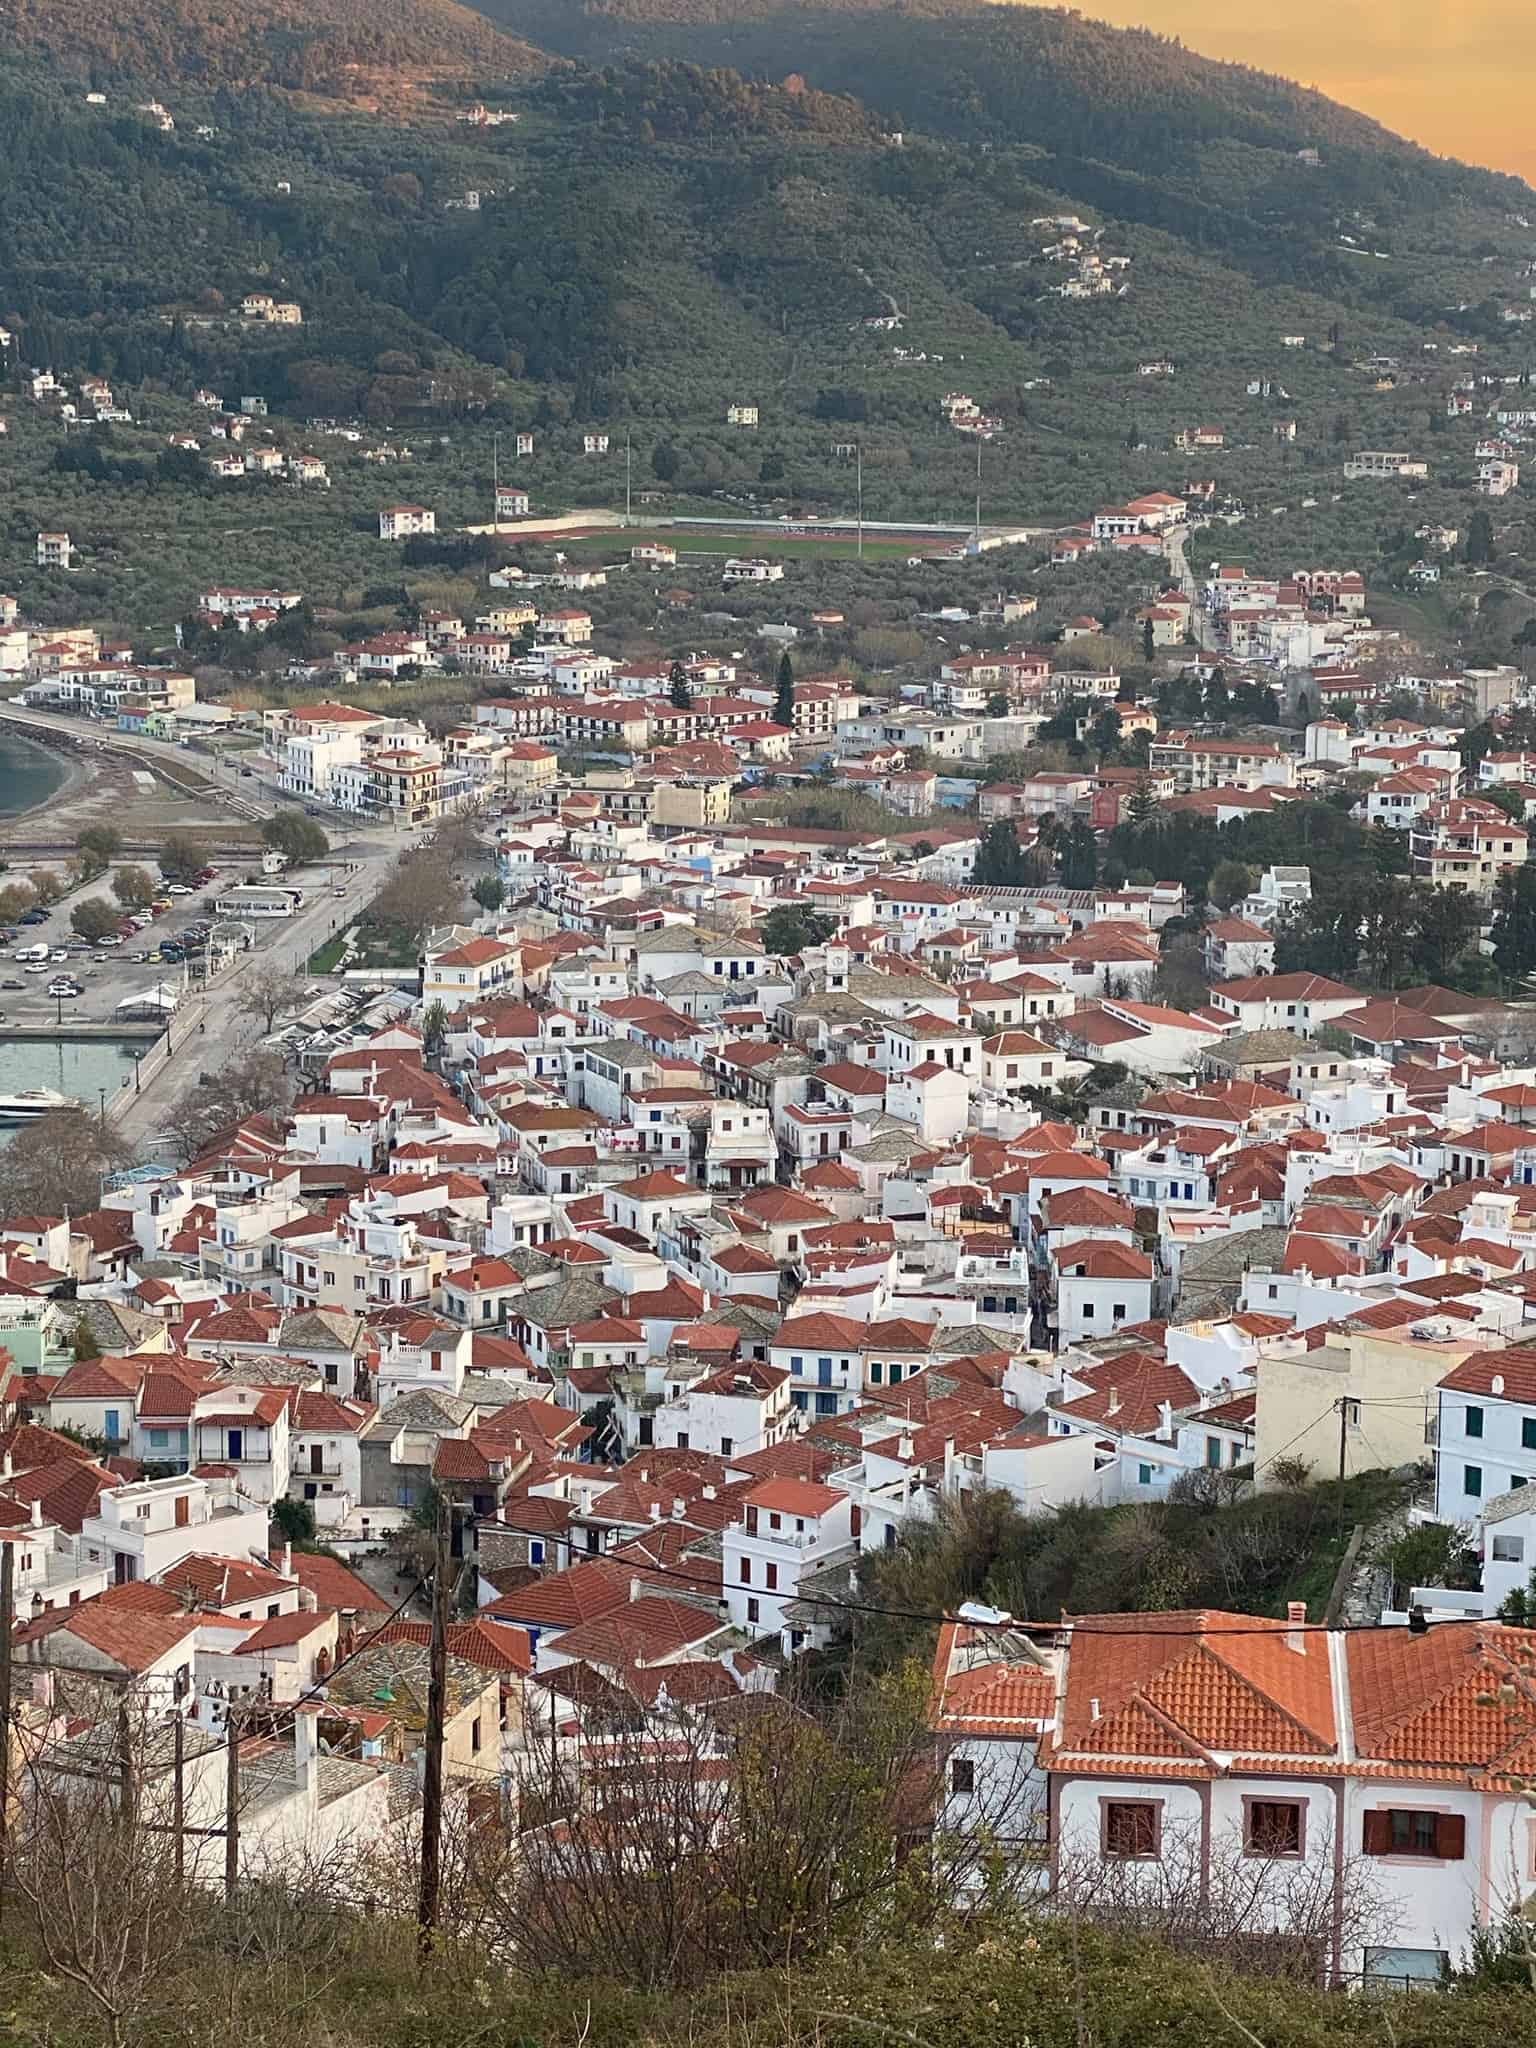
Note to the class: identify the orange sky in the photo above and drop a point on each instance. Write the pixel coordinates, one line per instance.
(1456, 75)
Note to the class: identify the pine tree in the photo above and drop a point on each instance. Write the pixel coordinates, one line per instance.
(682, 696)
(784, 702)
(1479, 551)
(1148, 644)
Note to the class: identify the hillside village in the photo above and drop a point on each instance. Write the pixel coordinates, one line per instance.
(737, 1193)
(923, 1037)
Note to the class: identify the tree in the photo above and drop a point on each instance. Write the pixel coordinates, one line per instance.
(299, 837)
(93, 919)
(180, 859)
(1104, 734)
(784, 700)
(1148, 641)
(682, 696)
(47, 886)
(665, 462)
(788, 929)
(1218, 699)
(1141, 806)
(58, 1163)
(422, 892)
(253, 1084)
(271, 990)
(1514, 922)
(1508, 800)
(98, 846)
(434, 1028)
(1478, 550)
(134, 887)
(1078, 856)
(489, 891)
(1445, 924)
(295, 1519)
(83, 1343)
(1230, 883)
(998, 705)
(999, 857)
(1304, 711)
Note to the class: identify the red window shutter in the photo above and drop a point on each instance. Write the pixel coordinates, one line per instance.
(1450, 1837)
(1377, 1837)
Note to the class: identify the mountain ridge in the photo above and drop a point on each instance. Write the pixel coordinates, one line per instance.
(327, 48)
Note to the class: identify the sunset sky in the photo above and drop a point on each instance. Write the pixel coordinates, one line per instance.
(1456, 75)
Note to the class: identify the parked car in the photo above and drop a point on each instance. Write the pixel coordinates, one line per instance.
(12, 984)
(34, 917)
(58, 953)
(178, 889)
(60, 990)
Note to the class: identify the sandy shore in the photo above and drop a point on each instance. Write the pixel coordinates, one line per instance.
(108, 789)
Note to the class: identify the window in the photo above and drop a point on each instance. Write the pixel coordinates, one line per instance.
(1528, 1432)
(772, 1577)
(1213, 1452)
(536, 1550)
(1473, 1418)
(962, 1777)
(1117, 1312)
(1131, 1828)
(1509, 1550)
(1144, 1475)
(1405, 1831)
(1472, 1481)
(746, 1571)
(1087, 1311)
(726, 1444)
(754, 1611)
(1272, 1827)
(474, 1733)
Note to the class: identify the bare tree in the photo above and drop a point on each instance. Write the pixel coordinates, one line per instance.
(94, 1866)
(668, 1845)
(272, 990)
(255, 1084)
(1277, 1915)
(58, 1162)
(422, 892)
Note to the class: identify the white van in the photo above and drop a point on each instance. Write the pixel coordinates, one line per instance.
(38, 952)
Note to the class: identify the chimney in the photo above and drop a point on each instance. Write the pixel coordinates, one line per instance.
(37, 1514)
(678, 1505)
(1296, 1621)
(1165, 1419)
(287, 1560)
(305, 1742)
(1114, 1402)
(638, 1589)
(1497, 1383)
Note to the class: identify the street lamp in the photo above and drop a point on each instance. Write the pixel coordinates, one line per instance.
(102, 1096)
(137, 1057)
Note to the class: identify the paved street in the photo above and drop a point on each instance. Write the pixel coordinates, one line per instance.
(220, 1022)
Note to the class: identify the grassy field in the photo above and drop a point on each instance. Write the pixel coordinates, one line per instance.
(715, 541)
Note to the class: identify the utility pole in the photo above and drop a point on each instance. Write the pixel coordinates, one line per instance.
(1343, 1407)
(7, 1623)
(179, 1791)
(858, 456)
(231, 1802)
(495, 481)
(628, 469)
(437, 1714)
(978, 491)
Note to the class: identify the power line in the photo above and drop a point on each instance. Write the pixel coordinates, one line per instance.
(1010, 1627)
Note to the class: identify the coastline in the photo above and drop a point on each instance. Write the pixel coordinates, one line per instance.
(64, 751)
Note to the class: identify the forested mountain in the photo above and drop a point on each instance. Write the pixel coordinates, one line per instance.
(349, 49)
(865, 215)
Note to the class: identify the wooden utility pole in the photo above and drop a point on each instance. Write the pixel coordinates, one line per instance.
(437, 1714)
(231, 1803)
(179, 1792)
(7, 1624)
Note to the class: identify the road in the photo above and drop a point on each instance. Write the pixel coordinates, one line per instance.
(214, 1027)
(221, 1021)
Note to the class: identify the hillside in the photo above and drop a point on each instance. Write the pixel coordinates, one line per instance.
(659, 239)
(337, 49)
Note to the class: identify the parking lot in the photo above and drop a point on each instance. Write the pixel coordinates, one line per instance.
(107, 975)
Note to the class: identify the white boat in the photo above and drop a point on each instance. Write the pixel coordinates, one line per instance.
(26, 1104)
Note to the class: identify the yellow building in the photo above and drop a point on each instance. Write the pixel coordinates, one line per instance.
(694, 803)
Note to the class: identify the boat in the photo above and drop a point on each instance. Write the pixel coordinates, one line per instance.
(24, 1105)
